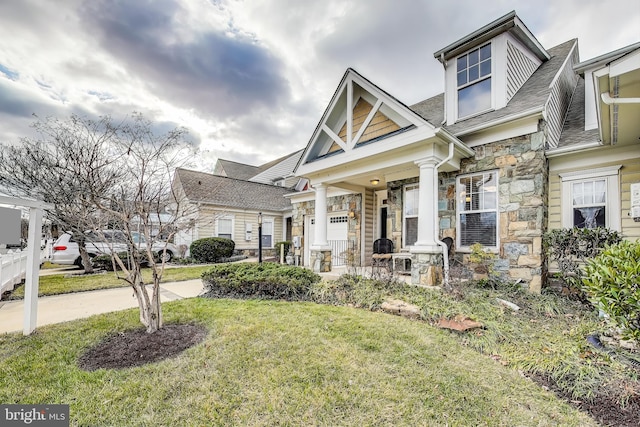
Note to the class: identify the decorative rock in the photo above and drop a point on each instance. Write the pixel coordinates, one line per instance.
(459, 323)
(401, 308)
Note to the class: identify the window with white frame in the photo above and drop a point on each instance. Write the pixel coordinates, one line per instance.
(473, 74)
(591, 199)
(410, 217)
(224, 227)
(477, 197)
(267, 233)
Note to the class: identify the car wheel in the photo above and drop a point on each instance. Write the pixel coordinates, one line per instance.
(165, 256)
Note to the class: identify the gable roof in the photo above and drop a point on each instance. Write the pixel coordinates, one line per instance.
(533, 94)
(282, 168)
(509, 22)
(231, 193)
(347, 122)
(573, 132)
(235, 170)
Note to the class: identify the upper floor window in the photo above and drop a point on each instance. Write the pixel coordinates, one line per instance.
(474, 81)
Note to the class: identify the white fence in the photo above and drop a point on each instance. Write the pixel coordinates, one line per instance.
(13, 266)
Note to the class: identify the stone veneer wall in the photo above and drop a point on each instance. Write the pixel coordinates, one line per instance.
(523, 189)
(345, 203)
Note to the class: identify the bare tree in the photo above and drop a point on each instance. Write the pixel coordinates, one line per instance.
(56, 167)
(146, 163)
(99, 174)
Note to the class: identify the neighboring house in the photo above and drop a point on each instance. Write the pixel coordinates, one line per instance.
(219, 206)
(512, 148)
(594, 170)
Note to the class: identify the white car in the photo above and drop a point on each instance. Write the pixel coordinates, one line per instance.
(66, 252)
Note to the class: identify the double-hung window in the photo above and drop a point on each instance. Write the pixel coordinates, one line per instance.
(224, 228)
(591, 198)
(473, 73)
(477, 200)
(410, 215)
(267, 233)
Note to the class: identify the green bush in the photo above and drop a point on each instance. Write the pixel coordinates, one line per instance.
(570, 248)
(287, 248)
(104, 262)
(251, 280)
(612, 282)
(212, 249)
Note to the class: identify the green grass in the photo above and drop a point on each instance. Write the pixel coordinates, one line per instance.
(278, 363)
(64, 283)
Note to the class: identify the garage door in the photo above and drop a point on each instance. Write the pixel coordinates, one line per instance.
(337, 231)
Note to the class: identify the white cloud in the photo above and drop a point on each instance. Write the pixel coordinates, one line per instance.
(251, 79)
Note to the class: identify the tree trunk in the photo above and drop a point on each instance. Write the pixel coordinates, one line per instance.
(86, 260)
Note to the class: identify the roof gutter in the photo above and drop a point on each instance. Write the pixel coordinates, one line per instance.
(607, 99)
(524, 114)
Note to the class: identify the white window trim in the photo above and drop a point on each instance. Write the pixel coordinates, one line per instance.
(273, 230)
(492, 249)
(490, 76)
(612, 175)
(233, 225)
(404, 215)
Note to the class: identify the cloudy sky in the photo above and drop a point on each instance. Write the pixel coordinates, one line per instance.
(250, 79)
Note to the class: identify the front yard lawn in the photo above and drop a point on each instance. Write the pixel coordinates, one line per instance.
(278, 363)
(65, 283)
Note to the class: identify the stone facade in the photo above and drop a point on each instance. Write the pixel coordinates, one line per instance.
(345, 203)
(321, 261)
(523, 190)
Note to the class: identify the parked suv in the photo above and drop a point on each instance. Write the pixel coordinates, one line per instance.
(66, 251)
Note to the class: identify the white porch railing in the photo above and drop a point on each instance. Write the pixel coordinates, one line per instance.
(13, 266)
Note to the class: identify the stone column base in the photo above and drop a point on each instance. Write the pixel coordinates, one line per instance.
(321, 261)
(426, 269)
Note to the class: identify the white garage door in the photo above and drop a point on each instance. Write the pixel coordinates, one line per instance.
(337, 231)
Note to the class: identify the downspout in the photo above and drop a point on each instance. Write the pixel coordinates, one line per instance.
(444, 120)
(443, 245)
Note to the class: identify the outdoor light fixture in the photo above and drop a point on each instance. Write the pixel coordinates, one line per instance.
(260, 237)
(375, 181)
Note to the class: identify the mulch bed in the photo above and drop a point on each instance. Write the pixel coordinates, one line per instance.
(137, 347)
(605, 409)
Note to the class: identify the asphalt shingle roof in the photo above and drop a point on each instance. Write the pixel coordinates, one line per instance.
(573, 132)
(232, 193)
(237, 170)
(534, 93)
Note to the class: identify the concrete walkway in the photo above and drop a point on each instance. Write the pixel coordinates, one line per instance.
(78, 305)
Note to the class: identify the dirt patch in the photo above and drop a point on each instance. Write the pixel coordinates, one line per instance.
(605, 409)
(137, 347)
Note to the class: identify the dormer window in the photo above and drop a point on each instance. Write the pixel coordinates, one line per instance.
(474, 81)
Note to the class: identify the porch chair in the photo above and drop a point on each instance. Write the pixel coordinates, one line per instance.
(382, 250)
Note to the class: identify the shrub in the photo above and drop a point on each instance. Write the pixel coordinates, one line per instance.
(287, 248)
(571, 247)
(105, 262)
(356, 291)
(251, 280)
(212, 249)
(612, 282)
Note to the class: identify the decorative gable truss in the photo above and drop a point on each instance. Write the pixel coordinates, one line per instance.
(359, 114)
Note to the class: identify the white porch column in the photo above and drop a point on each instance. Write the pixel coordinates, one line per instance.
(427, 209)
(33, 267)
(320, 234)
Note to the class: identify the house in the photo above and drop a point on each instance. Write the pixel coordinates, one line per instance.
(220, 206)
(594, 170)
(524, 138)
